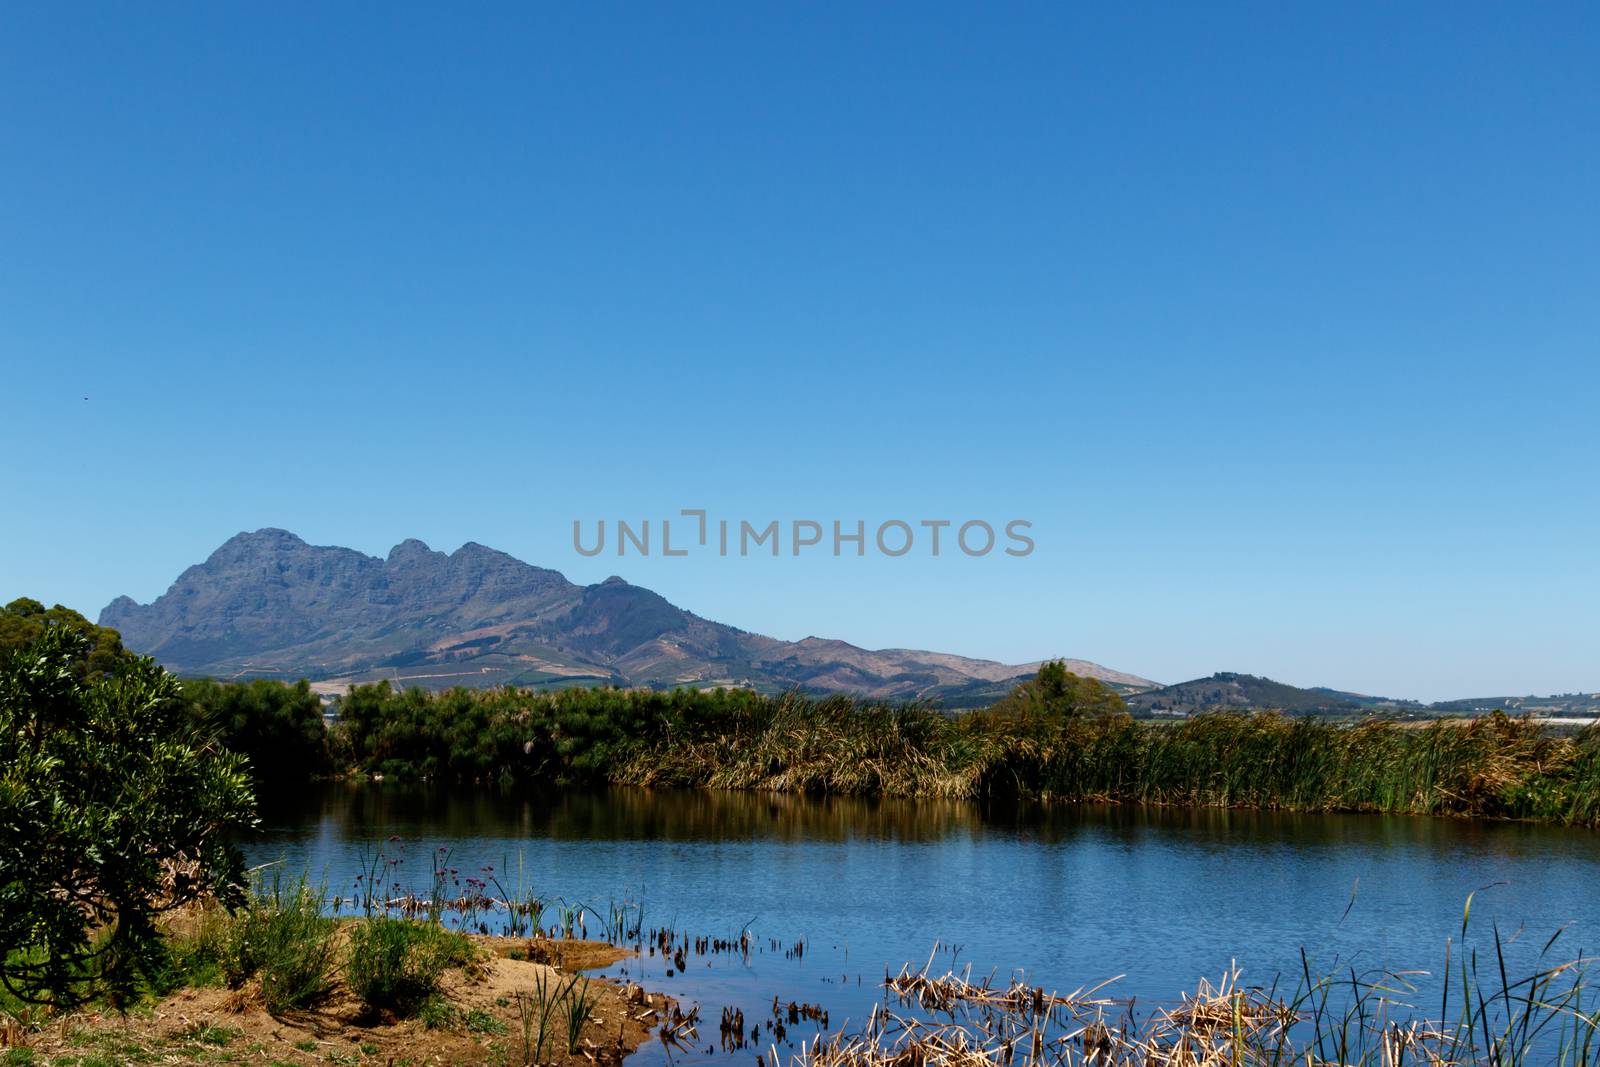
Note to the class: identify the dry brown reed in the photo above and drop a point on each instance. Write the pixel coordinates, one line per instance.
(1220, 1024)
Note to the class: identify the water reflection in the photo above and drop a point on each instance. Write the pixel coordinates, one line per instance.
(616, 814)
(1070, 895)
(356, 809)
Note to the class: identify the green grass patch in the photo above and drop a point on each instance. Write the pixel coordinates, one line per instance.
(478, 1021)
(396, 964)
(286, 940)
(210, 1034)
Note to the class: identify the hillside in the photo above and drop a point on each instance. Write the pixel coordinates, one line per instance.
(1228, 690)
(1581, 705)
(1366, 700)
(267, 604)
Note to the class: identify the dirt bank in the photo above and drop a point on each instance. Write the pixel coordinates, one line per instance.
(489, 1017)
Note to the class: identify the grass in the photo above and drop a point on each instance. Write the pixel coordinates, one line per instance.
(576, 1002)
(284, 938)
(437, 1013)
(210, 1034)
(478, 1021)
(535, 1010)
(396, 964)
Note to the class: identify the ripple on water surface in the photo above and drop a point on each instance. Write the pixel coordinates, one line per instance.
(1067, 895)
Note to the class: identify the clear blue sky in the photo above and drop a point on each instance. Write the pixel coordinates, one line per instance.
(1281, 322)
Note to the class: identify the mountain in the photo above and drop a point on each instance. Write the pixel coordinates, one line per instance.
(1226, 690)
(267, 604)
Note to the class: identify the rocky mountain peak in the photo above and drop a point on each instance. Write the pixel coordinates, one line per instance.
(411, 550)
(268, 603)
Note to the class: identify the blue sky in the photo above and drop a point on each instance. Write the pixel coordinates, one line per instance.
(1281, 323)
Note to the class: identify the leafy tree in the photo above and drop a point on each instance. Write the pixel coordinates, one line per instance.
(277, 726)
(1057, 691)
(112, 810)
(25, 620)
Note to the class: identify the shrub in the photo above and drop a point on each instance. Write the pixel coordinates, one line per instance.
(115, 811)
(285, 938)
(396, 964)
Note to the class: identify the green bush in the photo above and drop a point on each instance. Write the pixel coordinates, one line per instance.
(285, 938)
(396, 964)
(115, 810)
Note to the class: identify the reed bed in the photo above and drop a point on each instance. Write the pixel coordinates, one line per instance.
(1494, 767)
(1490, 767)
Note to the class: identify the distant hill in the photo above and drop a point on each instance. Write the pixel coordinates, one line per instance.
(1366, 701)
(1227, 690)
(1252, 693)
(267, 604)
(1580, 705)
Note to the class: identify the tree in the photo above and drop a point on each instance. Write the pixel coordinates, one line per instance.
(112, 810)
(1057, 691)
(276, 725)
(25, 620)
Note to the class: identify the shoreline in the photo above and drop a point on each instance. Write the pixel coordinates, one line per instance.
(211, 1023)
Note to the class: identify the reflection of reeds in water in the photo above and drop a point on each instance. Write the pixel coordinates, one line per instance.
(1485, 1019)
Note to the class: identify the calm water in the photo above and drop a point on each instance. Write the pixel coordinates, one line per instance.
(1068, 895)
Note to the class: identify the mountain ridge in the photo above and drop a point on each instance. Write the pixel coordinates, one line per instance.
(267, 603)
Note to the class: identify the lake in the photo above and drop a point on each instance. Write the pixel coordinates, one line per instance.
(1068, 895)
